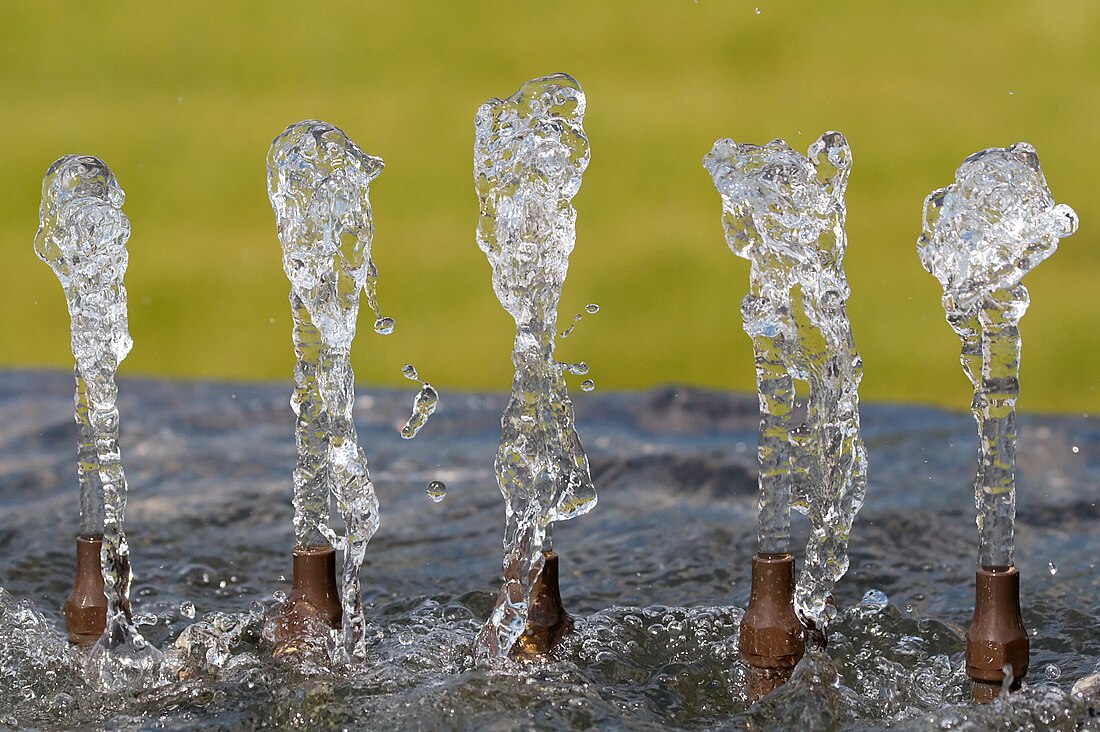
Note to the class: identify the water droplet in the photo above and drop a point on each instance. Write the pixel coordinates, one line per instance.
(588, 385)
(187, 609)
(383, 326)
(577, 369)
(146, 619)
(1011, 92)
(874, 601)
(409, 372)
(279, 596)
(424, 406)
(1075, 449)
(757, 11)
(1052, 671)
(1052, 567)
(565, 333)
(592, 308)
(437, 491)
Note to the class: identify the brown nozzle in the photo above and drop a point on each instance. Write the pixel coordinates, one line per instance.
(313, 601)
(86, 606)
(996, 637)
(547, 621)
(772, 638)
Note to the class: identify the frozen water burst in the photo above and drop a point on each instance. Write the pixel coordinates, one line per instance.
(318, 182)
(981, 235)
(530, 152)
(785, 213)
(82, 235)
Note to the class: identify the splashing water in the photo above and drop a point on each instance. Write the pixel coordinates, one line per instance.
(785, 213)
(424, 403)
(318, 182)
(82, 235)
(529, 154)
(981, 235)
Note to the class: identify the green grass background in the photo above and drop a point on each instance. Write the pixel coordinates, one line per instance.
(182, 100)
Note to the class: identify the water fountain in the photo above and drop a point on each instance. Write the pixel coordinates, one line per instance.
(658, 636)
(784, 212)
(82, 235)
(529, 155)
(982, 234)
(318, 182)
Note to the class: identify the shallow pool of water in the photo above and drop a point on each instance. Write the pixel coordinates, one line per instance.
(656, 575)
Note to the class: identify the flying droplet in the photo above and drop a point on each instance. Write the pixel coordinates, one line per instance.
(1052, 567)
(424, 404)
(588, 385)
(592, 308)
(565, 333)
(187, 609)
(1052, 671)
(409, 372)
(383, 326)
(1075, 449)
(758, 11)
(437, 491)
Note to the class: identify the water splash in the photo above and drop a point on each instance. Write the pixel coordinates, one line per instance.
(424, 403)
(785, 213)
(82, 235)
(981, 235)
(318, 182)
(529, 154)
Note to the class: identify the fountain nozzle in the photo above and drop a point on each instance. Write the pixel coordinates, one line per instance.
(996, 638)
(547, 621)
(314, 599)
(85, 608)
(772, 639)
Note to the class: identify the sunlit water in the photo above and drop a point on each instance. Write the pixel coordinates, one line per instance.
(655, 578)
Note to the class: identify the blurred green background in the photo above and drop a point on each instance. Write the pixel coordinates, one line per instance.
(183, 99)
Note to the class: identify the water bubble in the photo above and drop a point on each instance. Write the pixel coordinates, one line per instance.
(588, 385)
(1052, 671)
(874, 601)
(409, 372)
(437, 491)
(279, 596)
(383, 326)
(1052, 568)
(187, 609)
(591, 308)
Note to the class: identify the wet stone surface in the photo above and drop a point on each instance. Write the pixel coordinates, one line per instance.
(655, 575)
